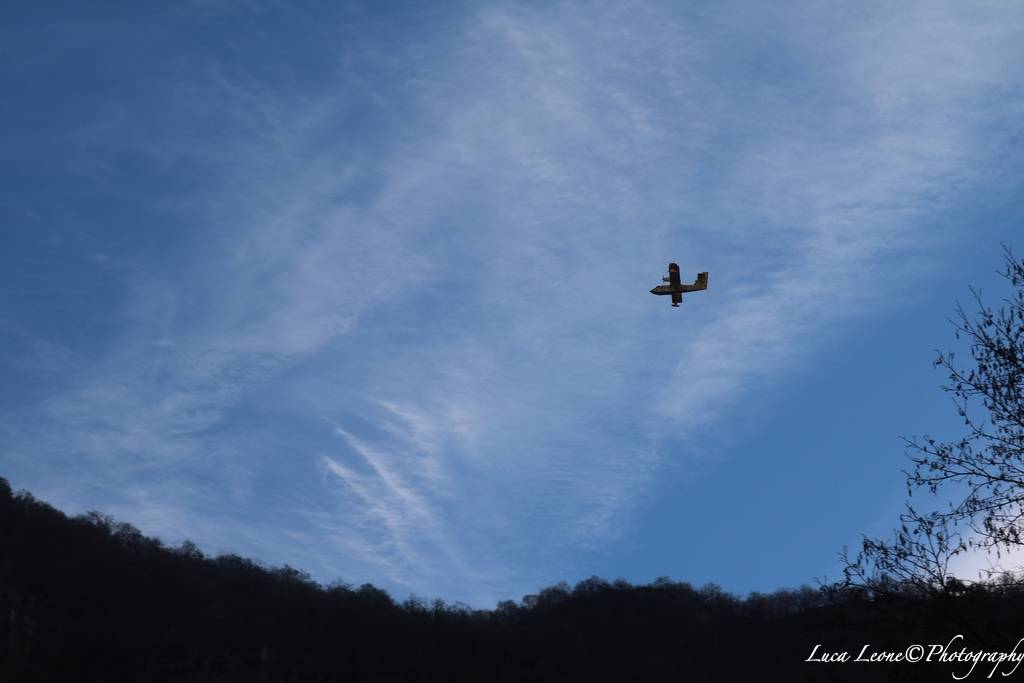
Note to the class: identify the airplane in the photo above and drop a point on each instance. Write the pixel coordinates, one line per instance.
(676, 288)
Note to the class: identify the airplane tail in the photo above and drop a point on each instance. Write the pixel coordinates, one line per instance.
(702, 281)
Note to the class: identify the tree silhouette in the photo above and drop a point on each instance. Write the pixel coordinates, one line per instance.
(989, 459)
(983, 470)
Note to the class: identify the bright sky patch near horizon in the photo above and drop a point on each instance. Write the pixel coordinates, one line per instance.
(363, 287)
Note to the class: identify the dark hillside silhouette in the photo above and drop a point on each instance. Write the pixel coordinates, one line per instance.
(91, 599)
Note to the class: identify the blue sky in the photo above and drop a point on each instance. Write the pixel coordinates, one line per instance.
(362, 287)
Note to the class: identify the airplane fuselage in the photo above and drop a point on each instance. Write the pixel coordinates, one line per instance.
(662, 290)
(675, 288)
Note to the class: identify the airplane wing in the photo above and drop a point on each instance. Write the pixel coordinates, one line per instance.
(698, 285)
(673, 274)
(677, 299)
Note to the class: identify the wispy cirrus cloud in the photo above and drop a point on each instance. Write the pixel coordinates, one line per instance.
(450, 266)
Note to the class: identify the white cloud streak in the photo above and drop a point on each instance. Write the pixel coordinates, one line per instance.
(505, 372)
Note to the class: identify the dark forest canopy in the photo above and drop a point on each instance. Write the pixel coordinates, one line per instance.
(89, 598)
